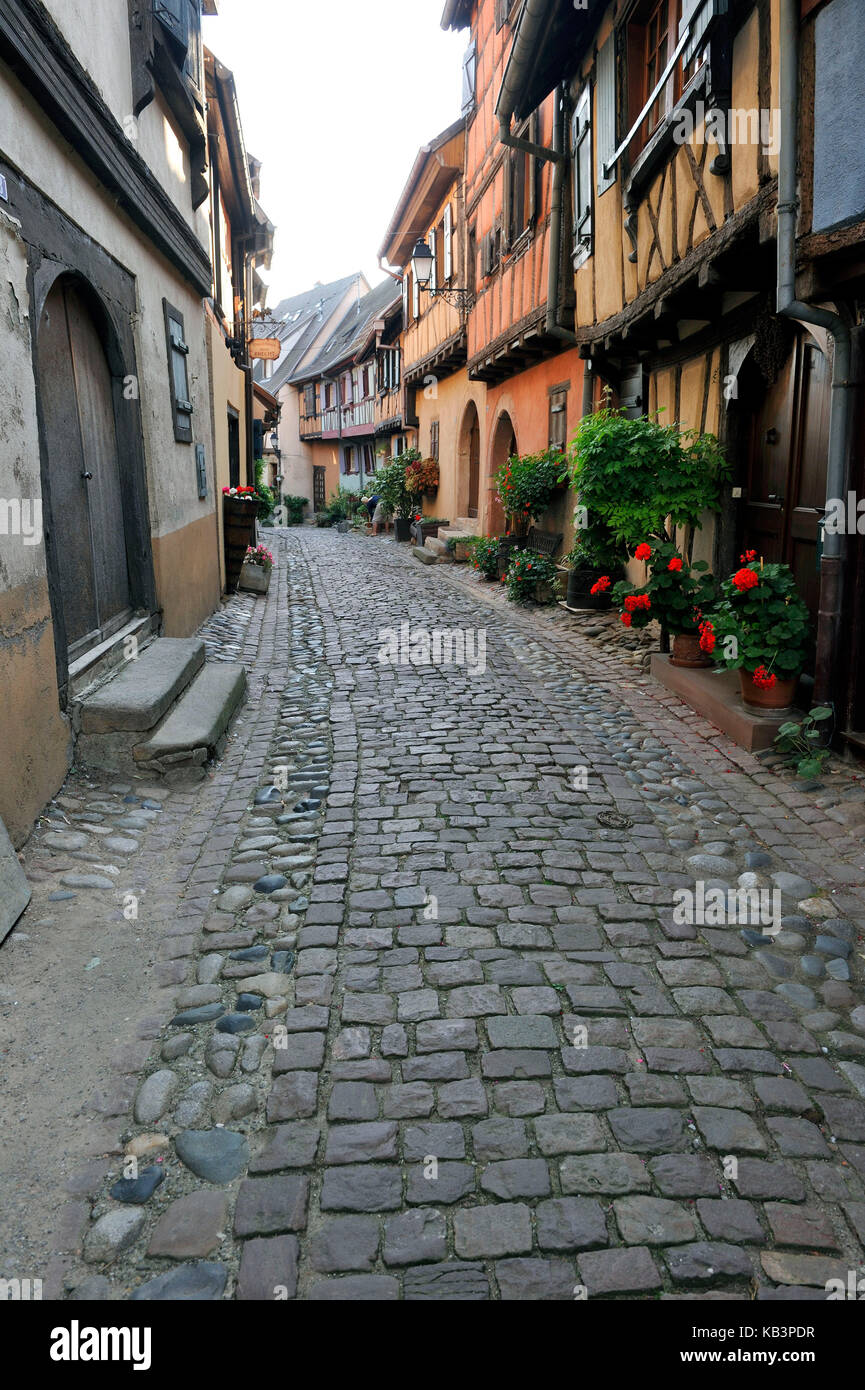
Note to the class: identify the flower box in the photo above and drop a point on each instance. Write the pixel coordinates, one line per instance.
(254, 579)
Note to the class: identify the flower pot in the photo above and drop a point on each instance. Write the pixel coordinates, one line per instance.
(688, 652)
(580, 583)
(780, 697)
(402, 528)
(254, 579)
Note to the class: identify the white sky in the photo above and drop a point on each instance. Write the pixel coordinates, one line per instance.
(336, 98)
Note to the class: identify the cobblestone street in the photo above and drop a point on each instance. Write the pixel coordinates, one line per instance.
(413, 1019)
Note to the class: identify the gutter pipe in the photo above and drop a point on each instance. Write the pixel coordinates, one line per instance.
(789, 306)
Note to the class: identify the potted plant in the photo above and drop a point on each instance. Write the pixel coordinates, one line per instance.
(422, 476)
(594, 555)
(525, 485)
(256, 570)
(530, 577)
(239, 512)
(678, 595)
(762, 629)
(484, 556)
(390, 484)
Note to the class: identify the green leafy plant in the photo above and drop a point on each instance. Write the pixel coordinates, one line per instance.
(484, 556)
(640, 478)
(294, 509)
(526, 483)
(762, 624)
(526, 570)
(266, 498)
(800, 742)
(678, 595)
(389, 482)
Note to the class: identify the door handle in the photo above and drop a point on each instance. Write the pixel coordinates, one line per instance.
(774, 497)
(86, 475)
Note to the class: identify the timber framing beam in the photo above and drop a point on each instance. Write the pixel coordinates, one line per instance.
(36, 52)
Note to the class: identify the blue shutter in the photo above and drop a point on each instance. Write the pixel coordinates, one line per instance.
(698, 16)
(606, 111)
(581, 147)
(470, 62)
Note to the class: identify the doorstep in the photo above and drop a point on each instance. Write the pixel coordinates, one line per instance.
(715, 694)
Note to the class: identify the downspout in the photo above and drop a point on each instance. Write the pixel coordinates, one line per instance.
(829, 618)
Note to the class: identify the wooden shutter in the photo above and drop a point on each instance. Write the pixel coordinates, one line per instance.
(415, 298)
(449, 244)
(558, 430)
(173, 15)
(502, 11)
(606, 111)
(470, 63)
(581, 145)
(433, 275)
(178, 374)
(698, 16)
(405, 314)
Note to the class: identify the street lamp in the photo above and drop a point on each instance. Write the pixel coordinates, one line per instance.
(422, 266)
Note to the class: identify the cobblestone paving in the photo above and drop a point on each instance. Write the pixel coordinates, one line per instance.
(431, 1031)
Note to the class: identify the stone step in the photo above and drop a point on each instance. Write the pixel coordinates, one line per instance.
(193, 730)
(425, 556)
(438, 548)
(144, 690)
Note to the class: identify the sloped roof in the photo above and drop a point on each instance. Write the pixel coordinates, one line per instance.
(353, 331)
(299, 320)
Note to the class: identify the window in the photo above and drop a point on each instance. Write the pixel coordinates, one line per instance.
(660, 42)
(470, 66)
(180, 20)
(448, 244)
(520, 185)
(581, 145)
(368, 459)
(309, 398)
(558, 431)
(388, 370)
(349, 459)
(434, 440)
(178, 374)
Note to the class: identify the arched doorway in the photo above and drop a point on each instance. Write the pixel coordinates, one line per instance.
(469, 482)
(783, 433)
(81, 474)
(503, 447)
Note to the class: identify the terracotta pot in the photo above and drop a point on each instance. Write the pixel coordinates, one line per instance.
(687, 652)
(780, 697)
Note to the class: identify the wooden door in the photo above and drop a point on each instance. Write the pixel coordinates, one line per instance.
(233, 448)
(318, 489)
(474, 467)
(83, 469)
(787, 447)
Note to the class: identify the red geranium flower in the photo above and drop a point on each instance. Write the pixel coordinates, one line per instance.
(708, 640)
(626, 619)
(675, 564)
(635, 601)
(643, 552)
(745, 579)
(764, 679)
(748, 557)
(602, 585)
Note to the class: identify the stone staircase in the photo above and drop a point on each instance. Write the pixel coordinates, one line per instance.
(435, 550)
(165, 712)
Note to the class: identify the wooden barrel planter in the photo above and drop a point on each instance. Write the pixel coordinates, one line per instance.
(580, 583)
(239, 526)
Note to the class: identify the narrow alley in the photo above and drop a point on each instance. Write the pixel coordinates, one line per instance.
(409, 1013)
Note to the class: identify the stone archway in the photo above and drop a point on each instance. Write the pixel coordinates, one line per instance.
(469, 464)
(504, 445)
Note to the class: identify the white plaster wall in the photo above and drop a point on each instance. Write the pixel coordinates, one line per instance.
(31, 142)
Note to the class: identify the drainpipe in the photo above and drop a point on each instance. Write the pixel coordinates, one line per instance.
(829, 619)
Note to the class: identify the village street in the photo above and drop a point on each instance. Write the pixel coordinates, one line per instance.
(410, 1020)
